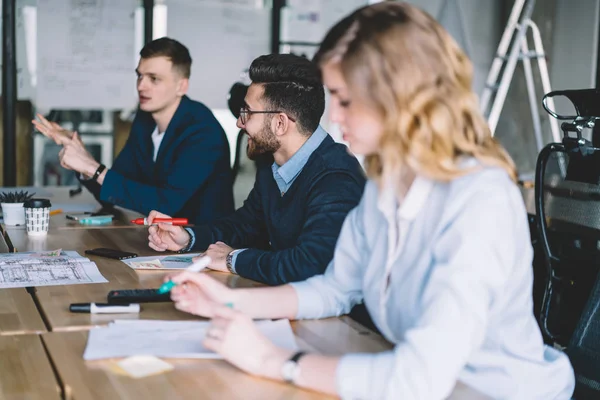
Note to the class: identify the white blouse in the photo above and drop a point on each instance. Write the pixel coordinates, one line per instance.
(447, 277)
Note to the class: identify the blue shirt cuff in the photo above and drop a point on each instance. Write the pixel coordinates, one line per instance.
(234, 255)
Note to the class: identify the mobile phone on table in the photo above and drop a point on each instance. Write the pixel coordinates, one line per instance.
(111, 253)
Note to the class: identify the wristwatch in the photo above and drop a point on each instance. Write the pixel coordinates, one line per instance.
(228, 261)
(99, 170)
(188, 246)
(291, 369)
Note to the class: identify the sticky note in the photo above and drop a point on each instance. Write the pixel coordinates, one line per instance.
(142, 366)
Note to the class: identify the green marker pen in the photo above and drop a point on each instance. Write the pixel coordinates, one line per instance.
(96, 220)
(195, 267)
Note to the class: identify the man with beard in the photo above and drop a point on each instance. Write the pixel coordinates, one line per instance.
(288, 226)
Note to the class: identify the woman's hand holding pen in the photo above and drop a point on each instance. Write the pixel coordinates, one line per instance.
(163, 236)
(199, 294)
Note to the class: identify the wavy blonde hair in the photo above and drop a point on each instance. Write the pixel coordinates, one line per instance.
(402, 62)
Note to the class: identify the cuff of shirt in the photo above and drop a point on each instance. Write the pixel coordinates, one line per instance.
(362, 376)
(310, 301)
(234, 255)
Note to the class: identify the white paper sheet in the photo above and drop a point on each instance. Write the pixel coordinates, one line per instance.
(29, 255)
(170, 339)
(31, 269)
(166, 262)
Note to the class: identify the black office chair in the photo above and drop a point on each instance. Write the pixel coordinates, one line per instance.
(237, 93)
(567, 196)
(584, 349)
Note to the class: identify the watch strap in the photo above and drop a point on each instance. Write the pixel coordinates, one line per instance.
(229, 261)
(99, 170)
(189, 244)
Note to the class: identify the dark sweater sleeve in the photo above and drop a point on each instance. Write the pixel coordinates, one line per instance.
(330, 200)
(196, 161)
(244, 228)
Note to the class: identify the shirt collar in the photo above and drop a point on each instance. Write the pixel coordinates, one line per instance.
(294, 165)
(415, 197)
(156, 134)
(413, 201)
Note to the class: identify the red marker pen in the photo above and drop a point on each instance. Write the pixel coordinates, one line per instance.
(172, 221)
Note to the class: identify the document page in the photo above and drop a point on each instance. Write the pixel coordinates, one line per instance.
(170, 339)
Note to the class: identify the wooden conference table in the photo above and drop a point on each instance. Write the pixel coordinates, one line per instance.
(38, 332)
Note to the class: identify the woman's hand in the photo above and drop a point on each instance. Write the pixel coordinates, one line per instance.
(199, 294)
(237, 338)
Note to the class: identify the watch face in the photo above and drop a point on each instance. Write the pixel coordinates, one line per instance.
(288, 370)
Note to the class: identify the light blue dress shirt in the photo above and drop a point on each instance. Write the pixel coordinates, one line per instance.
(447, 277)
(285, 175)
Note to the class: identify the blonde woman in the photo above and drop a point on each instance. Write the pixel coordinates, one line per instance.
(438, 249)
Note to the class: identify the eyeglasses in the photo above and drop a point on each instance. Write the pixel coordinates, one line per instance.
(245, 114)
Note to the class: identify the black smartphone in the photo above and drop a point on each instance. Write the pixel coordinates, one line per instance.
(111, 253)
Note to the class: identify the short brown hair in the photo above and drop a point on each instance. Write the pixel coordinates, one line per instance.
(173, 50)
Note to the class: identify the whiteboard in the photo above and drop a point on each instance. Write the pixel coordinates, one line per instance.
(222, 40)
(309, 20)
(85, 54)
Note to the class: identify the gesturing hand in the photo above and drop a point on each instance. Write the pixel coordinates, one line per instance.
(52, 130)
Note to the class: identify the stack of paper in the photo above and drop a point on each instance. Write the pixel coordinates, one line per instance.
(47, 268)
(171, 339)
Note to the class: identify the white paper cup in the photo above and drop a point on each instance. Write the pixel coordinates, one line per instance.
(37, 216)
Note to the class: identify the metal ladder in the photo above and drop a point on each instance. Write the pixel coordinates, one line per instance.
(503, 69)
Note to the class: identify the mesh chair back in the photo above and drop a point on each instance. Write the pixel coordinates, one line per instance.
(567, 196)
(569, 216)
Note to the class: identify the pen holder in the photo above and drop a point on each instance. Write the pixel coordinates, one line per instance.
(13, 213)
(37, 216)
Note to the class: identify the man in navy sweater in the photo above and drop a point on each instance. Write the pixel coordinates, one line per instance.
(176, 158)
(305, 183)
